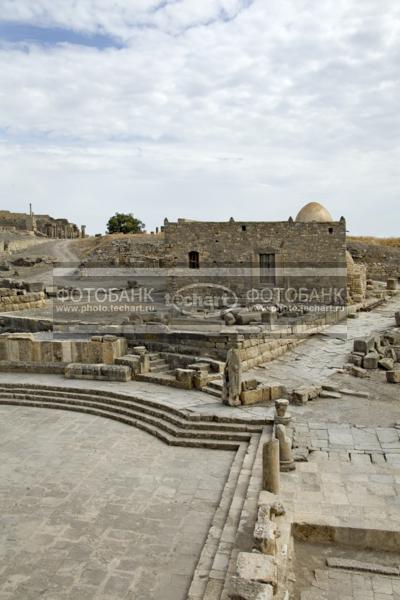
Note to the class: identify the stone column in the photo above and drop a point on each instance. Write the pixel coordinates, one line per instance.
(83, 231)
(271, 473)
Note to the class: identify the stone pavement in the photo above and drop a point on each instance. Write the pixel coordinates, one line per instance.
(342, 585)
(92, 509)
(317, 358)
(378, 444)
(345, 490)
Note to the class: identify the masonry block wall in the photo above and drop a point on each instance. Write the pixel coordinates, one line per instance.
(308, 256)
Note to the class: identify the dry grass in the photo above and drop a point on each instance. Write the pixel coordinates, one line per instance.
(393, 242)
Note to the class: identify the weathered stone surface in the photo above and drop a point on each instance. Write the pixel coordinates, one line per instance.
(364, 345)
(250, 590)
(253, 566)
(386, 363)
(285, 449)
(249, 384)
(357, 371)
(229, 319)
(101, 372)
(370, 360)
(330, 394)
(265, 533)
(281, 406)
(130, 360)
(232, 378)
(397, 318)
(185, 377)
(271, 469)
(393, 376)
(251, 396)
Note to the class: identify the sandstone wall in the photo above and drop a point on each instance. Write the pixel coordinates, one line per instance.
(24, 347)
(307, 255)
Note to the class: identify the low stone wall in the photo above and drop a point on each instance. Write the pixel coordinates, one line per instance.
(255, 347)
(13, 301)
(100, 372)
(23, 347)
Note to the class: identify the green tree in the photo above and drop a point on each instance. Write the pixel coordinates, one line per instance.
(122, 223)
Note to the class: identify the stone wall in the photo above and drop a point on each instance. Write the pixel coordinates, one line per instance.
(24, 347)
(307, 255)
(382, 261)
(254, 347)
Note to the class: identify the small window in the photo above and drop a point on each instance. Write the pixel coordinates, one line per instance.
(330, 230)
(194, 260)
(244, 227)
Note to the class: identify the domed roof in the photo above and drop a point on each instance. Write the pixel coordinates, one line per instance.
(314, 211)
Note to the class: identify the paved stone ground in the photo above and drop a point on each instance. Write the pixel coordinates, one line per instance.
(379, 444)
(344, 489)
(316, 359)
(92, 509)
(337, 584)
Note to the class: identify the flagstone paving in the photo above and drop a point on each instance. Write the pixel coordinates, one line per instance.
(93, 509)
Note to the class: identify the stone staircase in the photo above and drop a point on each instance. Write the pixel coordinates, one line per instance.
(158, 364)
(214, 388)
(233, 524)
(167, 423)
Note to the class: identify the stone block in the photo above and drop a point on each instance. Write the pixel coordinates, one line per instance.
(393, 376)
(248, 397)
(391, 284)
(185, 377)
(253, 566)
(200, 379)
(370, 361)
(266, 393)
(249, 384)
(250, 590)
(301, 395)
(265, 533)
(356, 359)
(130, 360)
(364, 345)
(386, 363)
(139, 350)
(247, 318)
(102, 372)
(397, 318)
(357, 371)
(278, 391)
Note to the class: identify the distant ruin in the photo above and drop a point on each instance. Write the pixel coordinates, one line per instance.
(41, 225)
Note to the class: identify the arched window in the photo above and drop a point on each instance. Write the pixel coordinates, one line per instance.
(194, 261)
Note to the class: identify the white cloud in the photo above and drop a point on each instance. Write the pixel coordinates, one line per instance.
(267, 106)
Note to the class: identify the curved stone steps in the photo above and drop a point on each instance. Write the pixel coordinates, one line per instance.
(105, 408)
(212, 420)
(170, 439)
(180, 421)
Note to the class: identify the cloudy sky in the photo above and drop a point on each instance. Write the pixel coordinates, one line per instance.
(201, 109)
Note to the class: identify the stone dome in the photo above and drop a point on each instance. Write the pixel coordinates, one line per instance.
(313, 211)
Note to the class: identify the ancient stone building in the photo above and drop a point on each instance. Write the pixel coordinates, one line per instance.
(301, 260)
(39, 224)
